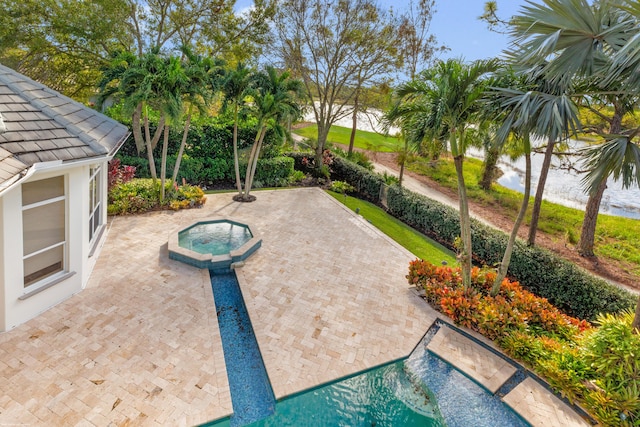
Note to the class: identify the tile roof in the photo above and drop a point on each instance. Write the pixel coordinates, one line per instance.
(43, 125)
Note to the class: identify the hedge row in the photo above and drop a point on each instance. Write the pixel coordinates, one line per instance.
(208, 155)
(568, 287)
(271, 172)
(367, 183)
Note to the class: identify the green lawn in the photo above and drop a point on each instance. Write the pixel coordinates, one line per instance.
(418, 244)
(364, 140)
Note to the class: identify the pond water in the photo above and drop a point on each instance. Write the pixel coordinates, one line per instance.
(564, 186)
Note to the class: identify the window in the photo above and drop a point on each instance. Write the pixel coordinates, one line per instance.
(95, 201)
(43, 229)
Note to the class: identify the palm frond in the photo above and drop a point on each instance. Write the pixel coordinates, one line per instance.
(619, 156)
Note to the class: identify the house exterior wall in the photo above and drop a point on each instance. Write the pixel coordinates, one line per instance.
(15, 306)
(3, 267)
(92, 249)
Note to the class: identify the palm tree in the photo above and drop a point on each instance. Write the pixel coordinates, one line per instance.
(201, 82)
(275, 96)
(109, 86)
(444, 101)
(235, 86)
(135, 79)
(600, 45)
(572, 39)
(530, 111)
(169, 83)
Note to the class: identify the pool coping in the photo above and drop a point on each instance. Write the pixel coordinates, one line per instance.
(235, 258)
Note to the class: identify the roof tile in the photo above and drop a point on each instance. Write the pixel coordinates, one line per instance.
(43, 125)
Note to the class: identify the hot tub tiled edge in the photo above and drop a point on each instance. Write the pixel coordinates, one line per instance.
(209, 261)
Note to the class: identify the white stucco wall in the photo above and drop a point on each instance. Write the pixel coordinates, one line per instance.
(3, 267)
(13, 310)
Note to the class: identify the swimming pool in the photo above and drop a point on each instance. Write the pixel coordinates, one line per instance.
(421, 390)
(379, 397)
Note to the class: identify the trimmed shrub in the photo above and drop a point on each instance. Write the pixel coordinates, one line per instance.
(513, 309)
(271, 172)
(300, 160)
(208, 155)
(365, 182)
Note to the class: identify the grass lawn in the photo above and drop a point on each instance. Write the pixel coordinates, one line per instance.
(616, 237)
(364, 140)
(418, 244)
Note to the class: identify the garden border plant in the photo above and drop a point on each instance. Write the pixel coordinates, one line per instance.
(140, 195)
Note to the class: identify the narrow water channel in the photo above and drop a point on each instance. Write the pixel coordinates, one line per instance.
(251, 393)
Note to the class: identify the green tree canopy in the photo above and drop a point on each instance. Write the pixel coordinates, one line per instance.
(64, 43)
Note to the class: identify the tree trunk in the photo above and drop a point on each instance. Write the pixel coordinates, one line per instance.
(465, 251)
(176, 168)
(248, 171)
(635, 326)
(537, 202)
(163, 163)
(354, 126)
(137, 132)
(247, 174)
(323, 131)
(506, 258)
(489, 170)
(403, 160)
(588, 233)
(156, 136)
(152, 163)
(253, 163)
(236, 161)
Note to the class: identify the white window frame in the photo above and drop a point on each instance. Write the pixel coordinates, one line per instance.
(95, 203)
(55, 277)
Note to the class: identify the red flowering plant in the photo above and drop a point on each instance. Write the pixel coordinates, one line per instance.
(119, 174)
(513, 309)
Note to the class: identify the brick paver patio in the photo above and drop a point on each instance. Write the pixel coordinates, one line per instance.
(140, 345)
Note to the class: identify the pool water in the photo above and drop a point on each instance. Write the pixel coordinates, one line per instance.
(216, 238)
(461, 401)
(421, 390)
(381, 397)
(251, 393)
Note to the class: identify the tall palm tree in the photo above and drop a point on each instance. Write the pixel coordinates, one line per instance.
(168, 86)
(275, 96)
(445, 101)
(201, 81)
(109, 86)
(621, 155)
(573, 39)
(530, 111)
(600, 45)
(135, 79)
(235, 86)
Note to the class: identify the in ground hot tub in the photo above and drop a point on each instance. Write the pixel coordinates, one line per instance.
(215, 244)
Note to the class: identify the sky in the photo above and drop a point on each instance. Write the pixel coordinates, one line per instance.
(456, 25)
